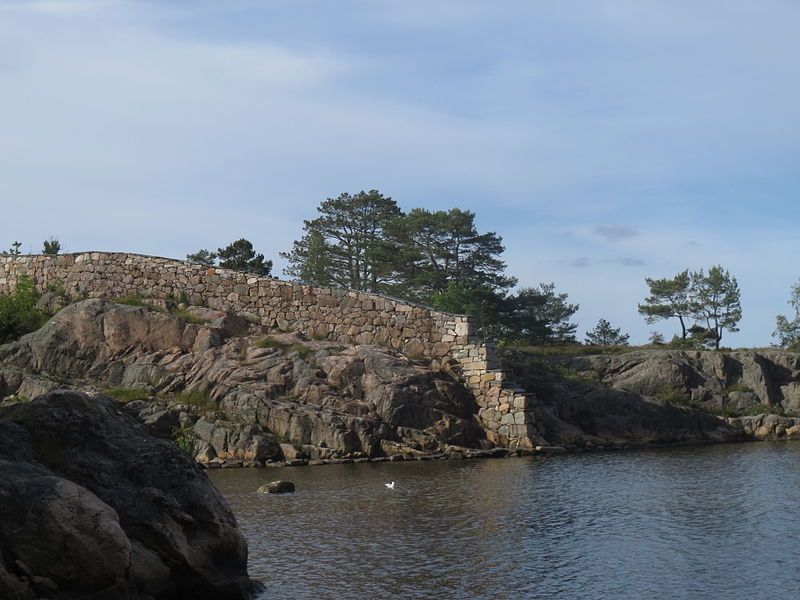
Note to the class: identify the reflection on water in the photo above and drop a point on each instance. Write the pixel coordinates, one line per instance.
(695, 523)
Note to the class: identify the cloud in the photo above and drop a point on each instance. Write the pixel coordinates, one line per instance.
(626, 262)
(236, 119)
(58, 7)
(614, 233)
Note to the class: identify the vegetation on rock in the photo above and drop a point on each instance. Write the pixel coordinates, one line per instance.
(18, 312)
(788, 332)
(126, 394)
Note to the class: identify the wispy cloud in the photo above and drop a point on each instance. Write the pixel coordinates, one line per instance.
(614, 233)
(626, 262)
(58, 7)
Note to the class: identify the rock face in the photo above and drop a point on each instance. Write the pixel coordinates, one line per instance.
(239, 394)
(577, 414)
(735, 382)
(92, 506)
(236, 395)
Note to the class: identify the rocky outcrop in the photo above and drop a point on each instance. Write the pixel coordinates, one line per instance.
(243, 395)
(574, 410)
(235, 394)
(728, 382)
(92, 506)
(347, 317)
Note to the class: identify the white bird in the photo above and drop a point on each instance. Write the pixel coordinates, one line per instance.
(390, 485)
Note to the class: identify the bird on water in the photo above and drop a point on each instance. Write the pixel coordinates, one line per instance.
(390, 485)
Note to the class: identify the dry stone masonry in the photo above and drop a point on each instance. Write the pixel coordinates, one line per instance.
(506, 410)
(348, 317)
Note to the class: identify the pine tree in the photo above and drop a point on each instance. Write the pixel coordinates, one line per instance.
(606, 335)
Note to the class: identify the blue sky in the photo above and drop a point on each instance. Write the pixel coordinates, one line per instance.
(606, 141)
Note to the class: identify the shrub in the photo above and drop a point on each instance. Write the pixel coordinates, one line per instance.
(18, 312)
(756, 408)
(269, 342)
(738, 387)
(669, 395)
(125, 394)
(18, 398)
(301, 349)
(130, 300)
(196, 398)
(189, 317)
(185, 438)
(687, 344)
(725, 411)
(181, 298)
(57, 288)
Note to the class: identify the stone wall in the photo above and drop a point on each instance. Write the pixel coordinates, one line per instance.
(506, 411)
(346, 316)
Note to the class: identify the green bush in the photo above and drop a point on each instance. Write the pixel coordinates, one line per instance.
(725, 411)
(301, 349)
(269, 342)
(181, 298)
(125, 394)
(57, 288)
(18, 398)
(685, 344)
(738, 387)
(196, 398)
(130, 300)
(756, 408)
(185, 438)
(669, 395)
(189, 317)
(18, 312)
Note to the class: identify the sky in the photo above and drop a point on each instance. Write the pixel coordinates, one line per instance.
(606, 141)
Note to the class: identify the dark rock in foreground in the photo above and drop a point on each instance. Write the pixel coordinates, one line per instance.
(93, 507)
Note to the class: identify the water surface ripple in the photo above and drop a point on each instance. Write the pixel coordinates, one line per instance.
(695, 523)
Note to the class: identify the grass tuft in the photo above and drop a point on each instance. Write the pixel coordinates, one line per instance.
(188, 317)
(269, 342)
(130, 300)
(125, 394)
(738, 387)
(301, 349)
(196, 398)
(669, 395)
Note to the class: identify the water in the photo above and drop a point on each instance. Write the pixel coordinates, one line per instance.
(696, 523)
